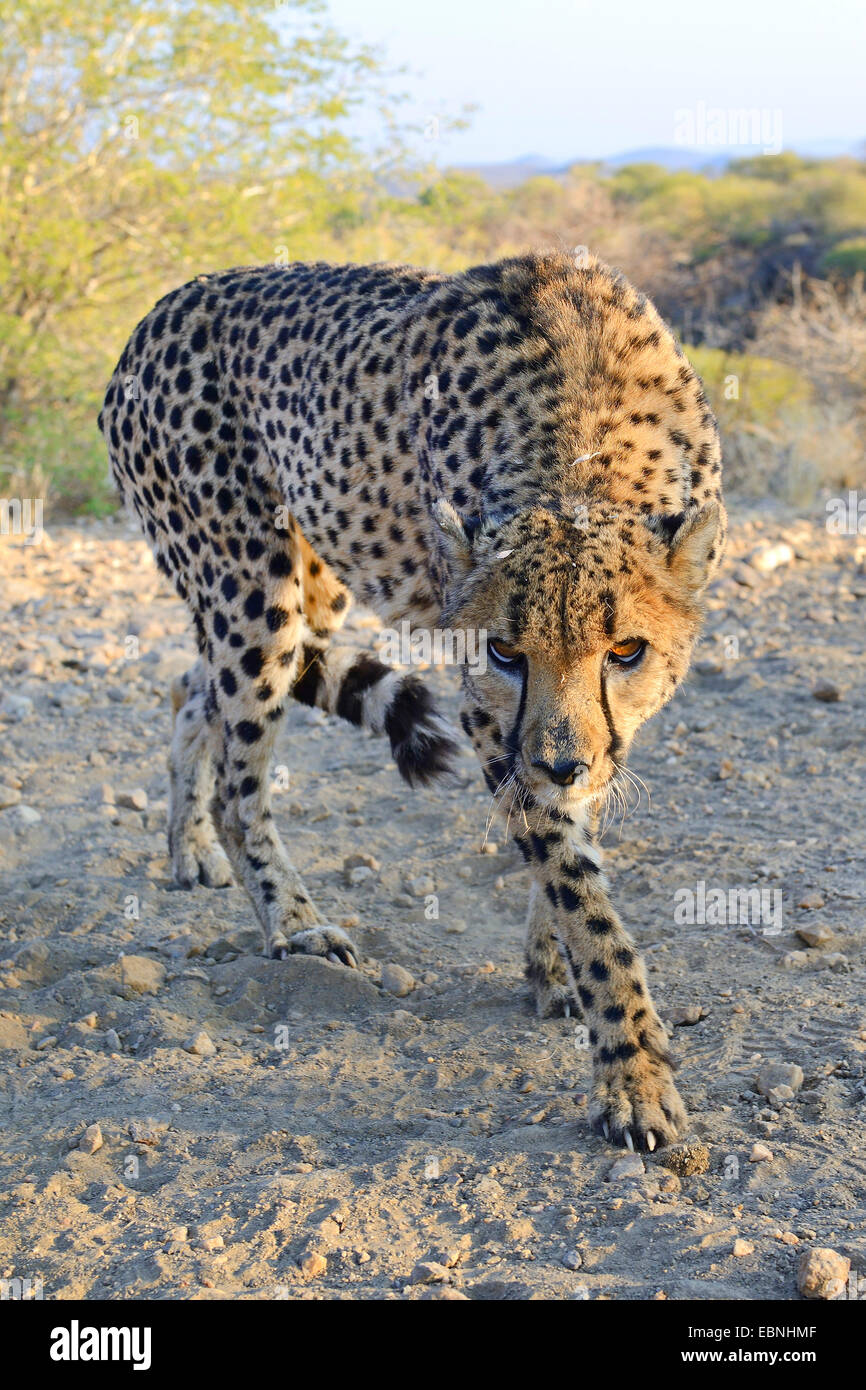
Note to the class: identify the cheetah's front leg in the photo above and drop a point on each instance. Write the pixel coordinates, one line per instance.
(634, 1099)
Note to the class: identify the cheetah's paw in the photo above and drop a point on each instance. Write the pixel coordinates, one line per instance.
(639, 1108)
(331, 942)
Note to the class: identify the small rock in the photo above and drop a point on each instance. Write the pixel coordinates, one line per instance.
(145, 1133)
(211, 1243)
(768, 558)
(822, 1273)
(141, 975)
(687, 1158)
(422, 886)
(778, 1074)
(27, 815)
(16, 707)
(200, 1045)
(572, 1259)
(629, 1166)
(312, 1264)
(827, 693)
(794, 960)
(692, 1013)
(726, 770)
(760, 1154)
(358, 867)
(179, 1233)
(9, 796)
(815, 936)
(429, 1272)
(811, 902)
(135, 800)
(742, 1247)
(91, 1139)
(779, 1096)
(396, 980)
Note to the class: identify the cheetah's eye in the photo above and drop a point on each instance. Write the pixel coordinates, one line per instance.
(505, 654)
(627, 653)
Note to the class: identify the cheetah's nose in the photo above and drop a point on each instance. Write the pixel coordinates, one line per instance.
(562, 773)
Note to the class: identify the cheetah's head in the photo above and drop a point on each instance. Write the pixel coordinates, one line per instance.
(590, 614)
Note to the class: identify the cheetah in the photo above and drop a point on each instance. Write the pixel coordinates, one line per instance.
(520, 450)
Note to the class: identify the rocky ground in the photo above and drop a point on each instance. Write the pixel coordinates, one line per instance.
(182, 1118)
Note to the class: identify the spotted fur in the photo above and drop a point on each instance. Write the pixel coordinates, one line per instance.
(521, 449)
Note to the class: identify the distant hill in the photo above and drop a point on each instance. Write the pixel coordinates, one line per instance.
(512, 172)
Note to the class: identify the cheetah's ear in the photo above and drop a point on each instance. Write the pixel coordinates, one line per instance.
(694, 546)
(457, 530)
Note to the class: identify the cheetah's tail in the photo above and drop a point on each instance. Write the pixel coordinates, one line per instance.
(366, 692)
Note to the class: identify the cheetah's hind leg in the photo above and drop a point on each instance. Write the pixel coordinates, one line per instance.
(196, 853)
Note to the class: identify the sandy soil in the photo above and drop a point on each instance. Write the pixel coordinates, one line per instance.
(327, 1136)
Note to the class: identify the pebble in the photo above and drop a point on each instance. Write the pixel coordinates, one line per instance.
(779, 1096)
(16, 707)
(354, 862)
(135, 800)
(815, 936)
(91, 1139)
(27, 815)
(822, 1273)
(811, 902)
(396, 980)
(429, 1272)
(141, 975)
(422, 886)
(742, 1247)
(776, 1074)
(768, 558)
(9, 796)
(760, 1154)
(572, 1259)
(693, 1013)
(629, 1166)
(200, 1045)
(210, 1243)
(827, 693)
(312, 1264)
(794, 960)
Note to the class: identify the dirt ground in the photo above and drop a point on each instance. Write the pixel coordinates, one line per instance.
(295, 1130)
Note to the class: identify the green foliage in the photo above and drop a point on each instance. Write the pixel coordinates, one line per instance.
(847, 257)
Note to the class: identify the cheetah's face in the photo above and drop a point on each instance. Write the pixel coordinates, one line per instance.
(589, 629)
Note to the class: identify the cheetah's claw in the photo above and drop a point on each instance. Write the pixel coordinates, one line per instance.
(640, 1112)
(331, 942)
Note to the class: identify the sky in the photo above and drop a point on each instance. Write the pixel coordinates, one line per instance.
(568, 79)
